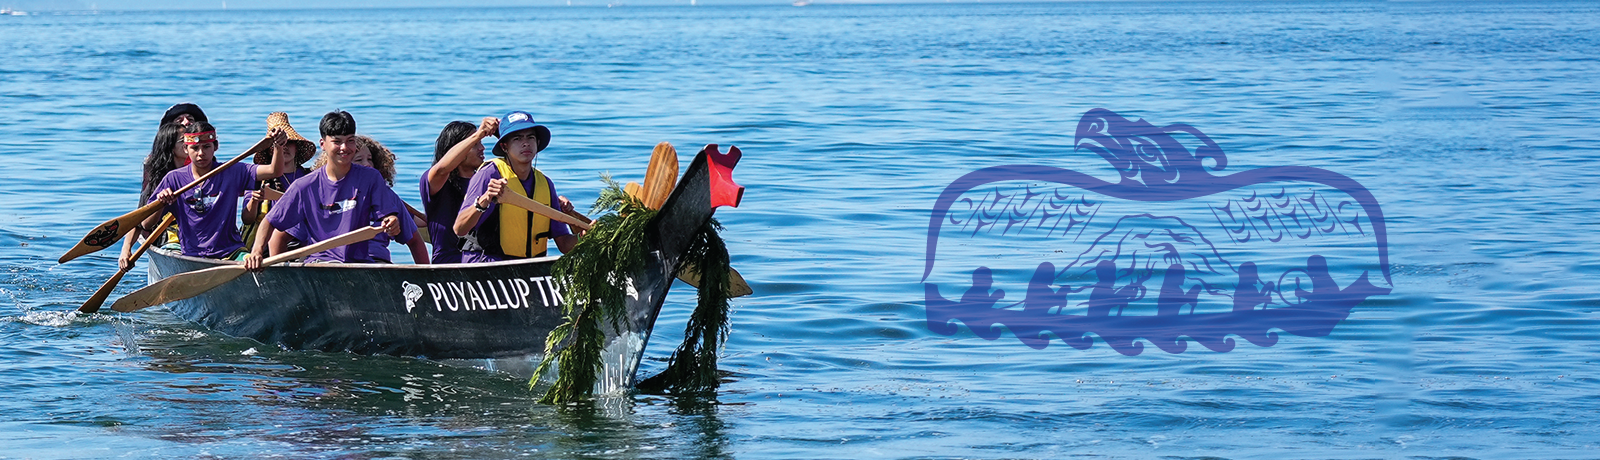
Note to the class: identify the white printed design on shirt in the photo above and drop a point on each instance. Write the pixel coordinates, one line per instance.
(201, 203)
(339, 207)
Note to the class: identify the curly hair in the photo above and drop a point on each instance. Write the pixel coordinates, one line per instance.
(382, 158)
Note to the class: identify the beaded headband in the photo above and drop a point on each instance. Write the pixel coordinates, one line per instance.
(198, 138)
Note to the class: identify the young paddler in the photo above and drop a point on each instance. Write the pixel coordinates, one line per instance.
(206, 212)
(374, 155)
(166, 154)
(336, 198)
(298, 151)
(457, 154)
(491, 232)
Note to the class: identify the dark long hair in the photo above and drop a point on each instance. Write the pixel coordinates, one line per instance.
(160, 162)
(453, 134)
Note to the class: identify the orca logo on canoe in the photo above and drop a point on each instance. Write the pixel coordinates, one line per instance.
(412, 292)
(1171, 252)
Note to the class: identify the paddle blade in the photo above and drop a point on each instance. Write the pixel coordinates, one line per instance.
(634, 190)
(99, 298)
(93, 304)
(178, 287)
(737, 287)
(111, 231)
(660, 176)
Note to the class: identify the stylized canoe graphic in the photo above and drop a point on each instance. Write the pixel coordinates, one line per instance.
(1170, 251)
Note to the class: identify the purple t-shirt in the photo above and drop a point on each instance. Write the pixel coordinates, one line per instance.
(207, 214)
(442, 210)
(287, 178)
(480, 184)
(378, 246)
(324, 208)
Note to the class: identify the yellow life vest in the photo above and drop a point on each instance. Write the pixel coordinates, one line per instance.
(171, 236)
(280, 184)
(523, 233)
(248, 231)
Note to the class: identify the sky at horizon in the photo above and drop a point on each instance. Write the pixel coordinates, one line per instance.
(134, 5)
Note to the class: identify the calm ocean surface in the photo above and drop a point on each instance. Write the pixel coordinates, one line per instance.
(1476, 125)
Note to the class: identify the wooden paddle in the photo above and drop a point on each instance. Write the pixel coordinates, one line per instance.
(113, 230)
(93, 304)
(737, 287)
(634, 190)
(523, 202)
(267, 193)
(660, 178)
(185, 285)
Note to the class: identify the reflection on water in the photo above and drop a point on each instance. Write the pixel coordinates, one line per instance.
(332, 403)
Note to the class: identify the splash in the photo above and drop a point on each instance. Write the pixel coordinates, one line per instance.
(127, 333)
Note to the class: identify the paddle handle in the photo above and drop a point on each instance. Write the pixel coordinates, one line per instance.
(355, 236)
(265, 142)
(538, 208)
(268, 194)
(150, 240)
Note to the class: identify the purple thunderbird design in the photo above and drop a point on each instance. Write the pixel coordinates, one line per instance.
(1058, 254)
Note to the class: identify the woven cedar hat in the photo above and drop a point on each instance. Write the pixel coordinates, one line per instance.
(304, 149)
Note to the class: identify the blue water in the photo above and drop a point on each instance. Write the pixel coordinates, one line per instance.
(1474, 124)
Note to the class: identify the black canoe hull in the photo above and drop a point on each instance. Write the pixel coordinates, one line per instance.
(453, 311)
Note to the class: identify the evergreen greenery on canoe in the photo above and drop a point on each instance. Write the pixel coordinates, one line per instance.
(591, 276)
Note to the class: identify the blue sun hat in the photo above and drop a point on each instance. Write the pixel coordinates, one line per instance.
(518, 121)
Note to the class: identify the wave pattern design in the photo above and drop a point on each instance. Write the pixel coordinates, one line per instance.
(1121, 238)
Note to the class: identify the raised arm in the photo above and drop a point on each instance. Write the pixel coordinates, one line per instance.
(441, 171)
(280, 147)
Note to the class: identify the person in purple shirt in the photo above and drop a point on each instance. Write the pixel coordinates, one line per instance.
(206, 222)
(457, 154)
(491, 232)
(334, 199)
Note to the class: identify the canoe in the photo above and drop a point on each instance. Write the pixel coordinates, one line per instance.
(493, 315)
